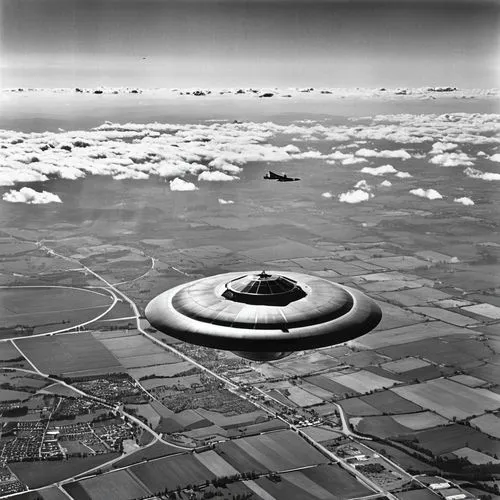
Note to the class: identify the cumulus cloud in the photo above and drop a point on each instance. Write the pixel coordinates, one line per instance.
(404, 175)
(363, 185)
(222, 201)
(371, 153)
(30, 196)
(441, 147)
(474, 173)
(430, 194)
(355, 196)
(327, 194)
(386, 183)
(179, 184)
(452, 160)
(353, 161)
(216, 176)
(464, 201)
(383, 169)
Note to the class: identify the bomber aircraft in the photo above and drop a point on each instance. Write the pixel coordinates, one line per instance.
(280, 177)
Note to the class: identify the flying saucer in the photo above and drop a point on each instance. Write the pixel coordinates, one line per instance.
(263, 315)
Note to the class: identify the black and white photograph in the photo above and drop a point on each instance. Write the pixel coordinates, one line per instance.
(250, 249)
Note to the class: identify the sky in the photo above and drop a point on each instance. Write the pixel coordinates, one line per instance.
(265, 43)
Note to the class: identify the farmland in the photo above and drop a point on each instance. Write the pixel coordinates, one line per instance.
(364, 381)
(171, 472)
(404, 365)
(489, 424)
(389, 402)
(274, 451)
(324, 481)
(51, 308)
(75, 355)
(119, 485)
(381, 426)
(454, 436)
(36, 474)
(419, 421)
(450, 399)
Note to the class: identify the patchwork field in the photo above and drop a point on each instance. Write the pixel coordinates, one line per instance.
(364, 381)
(449, 399)
(329, 385)
(69, 355)
(215, 463)
(412, 333)
(452, 437)
(274, 451)
(322, 482)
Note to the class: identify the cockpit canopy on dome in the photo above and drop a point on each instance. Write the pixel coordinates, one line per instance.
(263, 289)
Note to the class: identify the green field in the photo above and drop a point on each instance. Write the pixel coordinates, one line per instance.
(420, 421)
(364, 381)
(389, 402)
(382, 427)
(48, 308)
(171, 472)
(274, 451)
(37, 474)
(70, 355)
(118, 485)
(322, 482)
(358, 407)
(450, 399)
(452, 437)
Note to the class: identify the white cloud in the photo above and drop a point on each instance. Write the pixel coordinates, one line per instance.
(371, 153)
(178, 184)
(452, 160)
(30, 196)
(431, 194)
(353, 161)
(216, 176)
(441, 147)
(464, 201)
(131, 174)
(495, 157)
(474, 173)
(383, 169)
(363, 185)
(386, 183)
(355, 196)
(222, 201)
(404, 175)
(327, 194)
